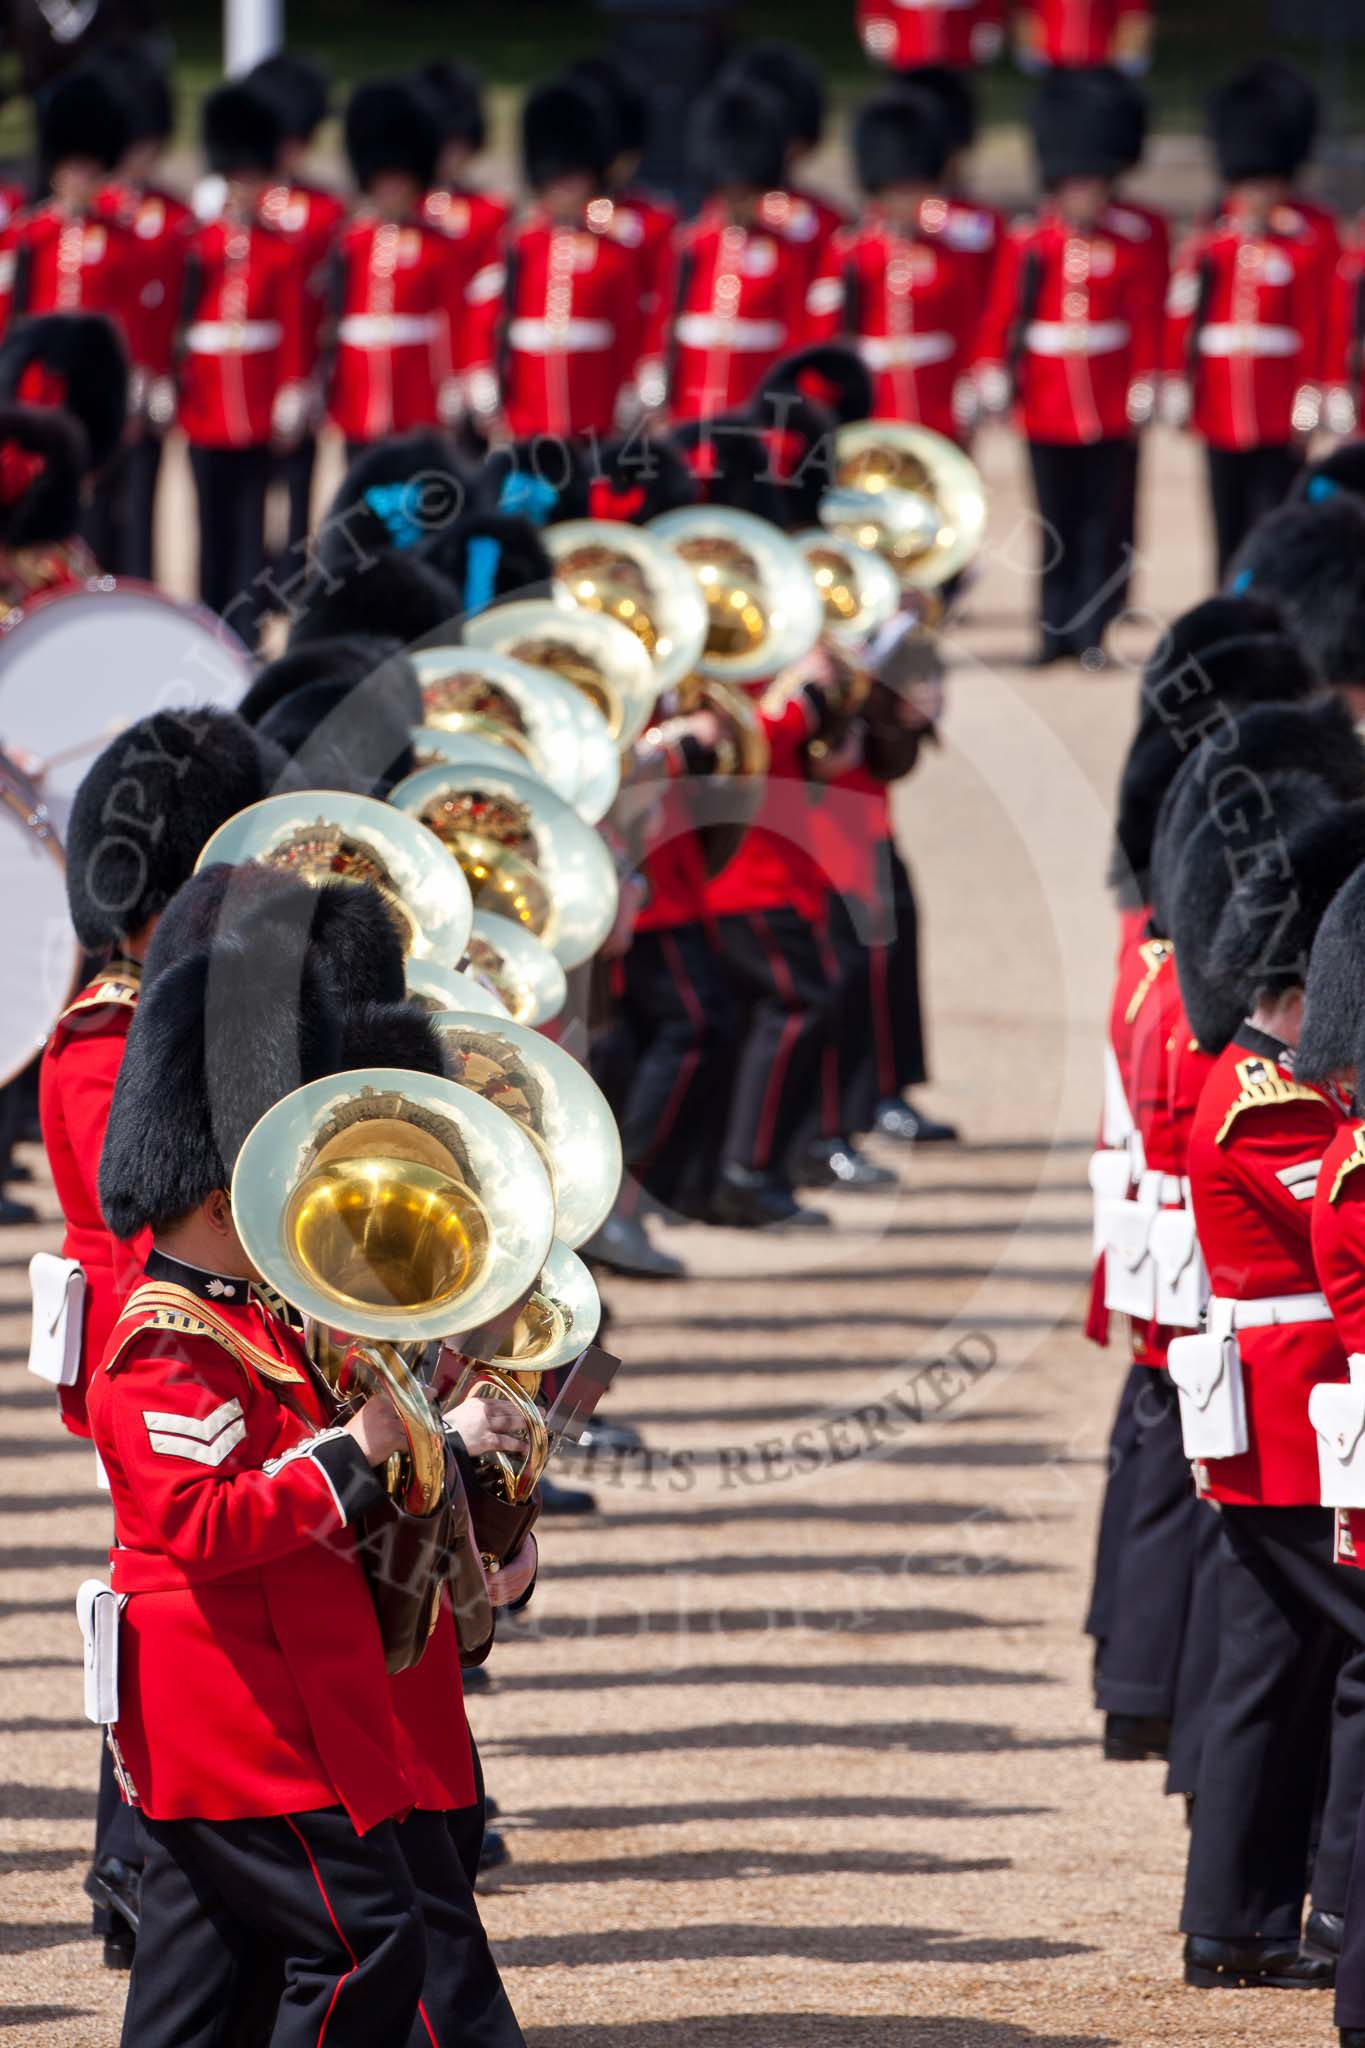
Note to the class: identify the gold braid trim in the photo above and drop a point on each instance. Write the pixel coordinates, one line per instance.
(1153, 953)
(1353, 1159)
(119, 984)
(1263, 1085)
(161, 1305)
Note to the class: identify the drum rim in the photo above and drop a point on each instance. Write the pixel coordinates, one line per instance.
(19, 795)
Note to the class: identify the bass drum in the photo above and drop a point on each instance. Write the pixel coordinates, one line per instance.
(40, 960)
(77, 666)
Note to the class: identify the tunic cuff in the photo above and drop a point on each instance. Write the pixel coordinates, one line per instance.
(354, 1484)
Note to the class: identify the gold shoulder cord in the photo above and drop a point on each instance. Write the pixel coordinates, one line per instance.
(1354, 1158)
(164, 1306)
(1263, 1085)
(1153, 953)
(118, 987)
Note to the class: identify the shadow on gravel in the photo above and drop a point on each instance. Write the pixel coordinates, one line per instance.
(46, 1802)
(747, 1865)
(819, 1807)
(844, 1676)
(41, 2015)
(810, 2030)
(922, 1738)
(727, 1621)
(846, 1945)
(12, 1861)
(23, 1937)
(48, 1504)
(922, 1514)
(927, 1564)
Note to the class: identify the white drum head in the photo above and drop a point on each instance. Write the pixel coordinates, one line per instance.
(40, 959)
(78, 666)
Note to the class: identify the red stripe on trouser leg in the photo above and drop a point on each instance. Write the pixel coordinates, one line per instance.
(422, 2015)
(883, 1037)
(340, 1934)
(831, 1111)
(677, 1094)
(791, 1031)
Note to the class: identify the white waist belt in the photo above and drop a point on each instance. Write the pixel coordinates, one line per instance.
(891, 351)
(1227, 338)
(386, 330)
(709, 330)
(1274, 1308)
(233, 337)
(1076, 337)
(560, 337)
(1162, 1190)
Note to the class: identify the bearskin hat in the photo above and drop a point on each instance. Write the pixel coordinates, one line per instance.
(1075, 132)
(396, 494)
(143, 85)
(391, 1034)
(774, 459)
(396, 594)
(1309, 559)
(241, 130)
(1227, 841)
(1216, 659)
(612, 75)
(1342, 470)
(391, 126)
(827, 375)
(784, 69)
(738, 136)
(44, 456)
(348, 923)
(541, 480)
(955, 94)
(346, 734)
(634, 478)
(1271, 917)
(489, 555)
(218, 1038)
(454, 93)
(299, 89)
(901, 137)
(568, 129)
(75, 361)
(1261, 122)
(82, 114)
(347, 660)
(1333, 1034)
(144, 810)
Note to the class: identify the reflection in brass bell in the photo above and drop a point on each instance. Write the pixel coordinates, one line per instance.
(488, 836)
(522, 972)
(602, 581)
(763, 610)
(742, 749)
(910, 495)
(858, 588)
(558, 1322)
(608, 566)
(603, 659)
(729, 581)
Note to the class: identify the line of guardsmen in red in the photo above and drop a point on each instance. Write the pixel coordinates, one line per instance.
(1228, 1610)
(430, 302)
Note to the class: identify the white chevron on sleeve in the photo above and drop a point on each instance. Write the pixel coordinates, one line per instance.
(204, 1439)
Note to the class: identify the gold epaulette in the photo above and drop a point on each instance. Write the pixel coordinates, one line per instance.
(1263, 1085)
(118, 985)
(1153, 953)
(1354, 1158)
(161, 1305)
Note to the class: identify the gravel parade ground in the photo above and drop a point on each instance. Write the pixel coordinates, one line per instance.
(797, 1746)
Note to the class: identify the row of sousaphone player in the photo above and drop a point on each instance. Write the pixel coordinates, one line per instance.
(549, 718)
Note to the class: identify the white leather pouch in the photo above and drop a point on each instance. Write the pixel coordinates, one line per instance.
(54, 1349)
(1337, 1413)
(1129, 1275)
(1182, 1279)
(1207, 1372)
(97, 1610)
(1110, 1177)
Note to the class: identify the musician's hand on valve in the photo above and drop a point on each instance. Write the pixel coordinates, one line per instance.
(377, 1430)
(511, 1579)
(486, 1426)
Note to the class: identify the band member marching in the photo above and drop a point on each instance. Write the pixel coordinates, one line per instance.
(1066, 33)
(958, 33)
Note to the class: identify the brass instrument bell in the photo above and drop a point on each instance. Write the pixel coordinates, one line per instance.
(743, 749)
(909, 494)
(326, 835)
(602, 658)
(527, 855)
(529, 981)
(544, 1089)
(470, 691)
(605, 565)
(763, 609)
(432, 987)
(858, 589)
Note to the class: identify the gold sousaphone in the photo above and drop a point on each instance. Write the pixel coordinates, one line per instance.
(527, 856)
(857, 587)
(472, 692)
(910, 495)
(603, 659)
(325, 836)
(629, 574)
(763, 609)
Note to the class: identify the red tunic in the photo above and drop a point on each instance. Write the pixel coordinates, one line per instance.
(553, 330)
(1089, 330)
(249, 1614)
(910, 304)
(907, 33)
(774, 867)
(1339, 1256)
(75, 1088)
(1345, 345)
(72, 263)
(400, 294)
(245, 339)
(159, 224)
(311, 219)
(734, 303)
(1257, 1136)
(805, 220)
(646, 225)
(1246, 325)
(1084, 32)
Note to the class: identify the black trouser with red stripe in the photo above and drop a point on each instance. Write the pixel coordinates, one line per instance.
(1138, 1662)
(881, 1039)
(303, 1930)
(665, 1065)
(785, 977)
